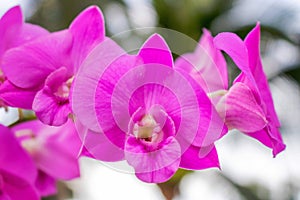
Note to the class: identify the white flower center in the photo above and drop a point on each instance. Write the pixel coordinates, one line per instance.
(64, 89)
(148, 129)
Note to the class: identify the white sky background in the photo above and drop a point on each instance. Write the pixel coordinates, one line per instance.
(242, 159)
(245, 12)
(6, 4)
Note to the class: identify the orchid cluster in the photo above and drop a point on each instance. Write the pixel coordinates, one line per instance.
(91, 98)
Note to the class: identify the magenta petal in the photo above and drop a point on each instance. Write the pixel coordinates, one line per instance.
(270, 136)
(87, 81)
(16, 97)
(4, 196)
(155, 50)
(50, 107)
(65, 166)
(276, 139)
(193, 64)
(241, 110)
(29, 65)
(29, 32)
(45, 184)
(101, 148)
(206, 65)
(97, 145)
(58, 150)
(182, 98)
(237, 50)
(48, 110)
(191, 159)
(17, 188)
(153, 166)
(109, 101)
(10, 27)
(15, 160)
(217, 58)
(87, 30)
(210, 126)
(252, 43)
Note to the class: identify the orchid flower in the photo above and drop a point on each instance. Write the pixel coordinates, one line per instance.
(50, 63)
(13, 33)
(144, 111)
(248, 106)
(54, 151)
(17, 170)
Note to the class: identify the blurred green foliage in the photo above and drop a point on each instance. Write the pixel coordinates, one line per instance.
(189, 16)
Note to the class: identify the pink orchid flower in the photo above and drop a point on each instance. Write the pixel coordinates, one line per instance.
(248, 106)
(17, 170)
(54, 151)
(13, 33)
(144, 111)
(51, 62)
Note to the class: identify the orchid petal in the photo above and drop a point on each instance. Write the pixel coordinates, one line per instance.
(210, 126)
(17, 97)
(45, 184)
(49, 110)
(49, 107)
(97, 145)
(38, 59)
(87, 80)
(52, 155)
(13, 158)
(206, 65)
(217, 58)
(4, 196)
(192, 63)
(156, 166)
(241, 110)
(252, 43)
(237, 50)
(155, 50)
(277, 142)
(101, 148)
(270, 136)
(87, 30)
(104, 97)
(29, 32)
(65, 166)
(10, 26)
(17, 188)
(191, 159)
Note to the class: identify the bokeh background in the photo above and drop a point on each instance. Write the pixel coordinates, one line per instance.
(249, 172)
